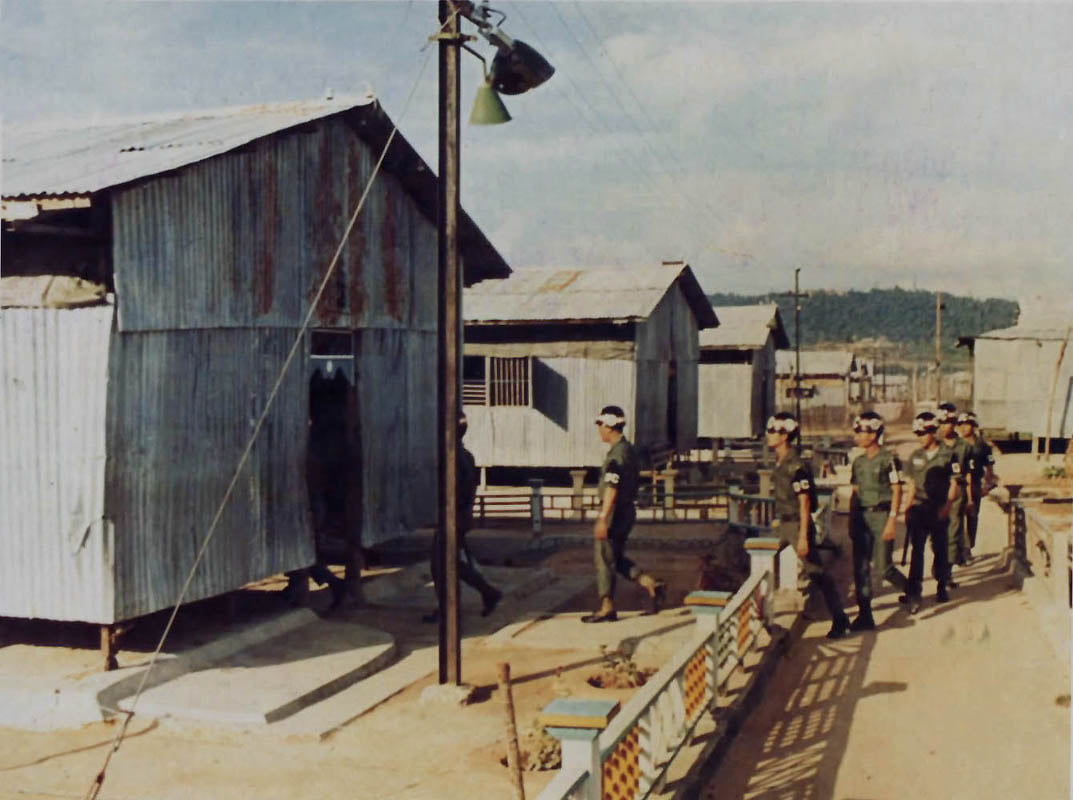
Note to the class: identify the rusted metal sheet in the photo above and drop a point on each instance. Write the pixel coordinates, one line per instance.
(247, 238)
(181, 407)
(85, 156)
(57, 543)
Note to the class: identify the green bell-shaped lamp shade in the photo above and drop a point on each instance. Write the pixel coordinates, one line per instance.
(488, 109)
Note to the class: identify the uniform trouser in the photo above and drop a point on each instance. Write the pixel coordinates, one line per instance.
(956, 542)
(873, 558)
(609, 555)
(811, 566)
(467, 567)
(923, 522)
(972, 517)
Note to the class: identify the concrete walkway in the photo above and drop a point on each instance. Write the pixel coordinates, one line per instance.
(964, 700)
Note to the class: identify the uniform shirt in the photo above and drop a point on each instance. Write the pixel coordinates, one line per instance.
(932, 476)
(874, 476)
(620, 471)
(790, 479)
(962, 452)
(468, 478)
(980, 458)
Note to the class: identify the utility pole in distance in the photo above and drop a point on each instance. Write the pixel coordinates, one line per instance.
(938, 348)
(797, 295)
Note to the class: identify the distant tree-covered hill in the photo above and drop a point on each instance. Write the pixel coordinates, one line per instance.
(904, 318)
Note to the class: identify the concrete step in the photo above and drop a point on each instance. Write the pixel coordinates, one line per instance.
(275, 678)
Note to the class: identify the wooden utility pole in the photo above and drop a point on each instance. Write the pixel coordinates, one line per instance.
(797, 295)
(938, 347)
(450, 307)
(1050, 400)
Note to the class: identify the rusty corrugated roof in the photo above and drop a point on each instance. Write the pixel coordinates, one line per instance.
(90, 154)
(745, 328)
(582, 295)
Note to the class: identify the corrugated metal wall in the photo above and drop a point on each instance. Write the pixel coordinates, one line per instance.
(243, 240)
(669, 334)
(57, 556)
(725, 401)
(181, 407)
(215, 267)
(397, 386)
(1013, 385)
(558, 430)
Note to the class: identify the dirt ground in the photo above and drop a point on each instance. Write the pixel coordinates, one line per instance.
(405, 748)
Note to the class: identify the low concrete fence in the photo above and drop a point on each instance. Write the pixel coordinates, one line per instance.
(1045, 550)
(613, 754)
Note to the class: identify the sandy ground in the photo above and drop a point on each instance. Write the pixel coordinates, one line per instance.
(929, 709)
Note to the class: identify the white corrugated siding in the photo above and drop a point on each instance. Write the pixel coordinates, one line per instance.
(726, 393)
(1013, 385)
(57, 560)
(558, 431)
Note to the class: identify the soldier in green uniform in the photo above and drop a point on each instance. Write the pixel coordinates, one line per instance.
(876, 479)
(617, 492)
(931, 472)
(795, 500)
(980, 474)
(956, 539)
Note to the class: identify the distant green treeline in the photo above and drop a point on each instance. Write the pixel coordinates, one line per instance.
(905, 318)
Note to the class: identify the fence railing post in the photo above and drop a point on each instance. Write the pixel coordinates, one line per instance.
(762, 552)
(667, 476)
(765, 482)
(537, 504)
(577, 725)
(708, 607)
(577, 499)
(734, 509)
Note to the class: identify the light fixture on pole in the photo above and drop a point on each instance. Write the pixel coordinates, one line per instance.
(516, 68)
(488, 108)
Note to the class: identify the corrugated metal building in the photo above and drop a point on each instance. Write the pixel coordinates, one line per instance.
(825, 372)
(546, 349)
(122, 423)
(1014, 373)
(736, 374)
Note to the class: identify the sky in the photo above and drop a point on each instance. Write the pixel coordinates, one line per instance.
(868, 144)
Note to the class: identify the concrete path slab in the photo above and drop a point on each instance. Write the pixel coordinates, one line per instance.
(51, 699)
(275, 678)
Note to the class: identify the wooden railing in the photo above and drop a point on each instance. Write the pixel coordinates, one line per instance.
(629, 759)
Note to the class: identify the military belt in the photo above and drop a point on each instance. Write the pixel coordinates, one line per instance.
(877, 507)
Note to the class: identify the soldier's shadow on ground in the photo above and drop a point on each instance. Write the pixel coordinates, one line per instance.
(807, 719)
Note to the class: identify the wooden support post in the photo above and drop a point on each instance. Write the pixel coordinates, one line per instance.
(536, 504)
(514, 756)
(577, 499)
(108, 647)
(668, 476)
